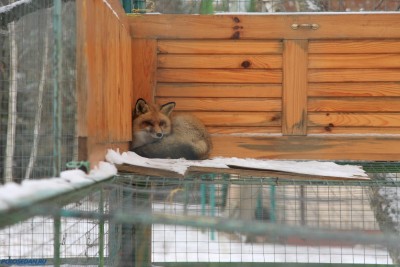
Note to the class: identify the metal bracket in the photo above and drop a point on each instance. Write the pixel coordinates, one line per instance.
(312, 26)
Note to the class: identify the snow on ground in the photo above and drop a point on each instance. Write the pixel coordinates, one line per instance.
(173, 243)
(33, 238)
(170, 243)
(185, 244)
(392, 200)
(301, 167)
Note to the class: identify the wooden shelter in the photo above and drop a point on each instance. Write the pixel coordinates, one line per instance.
(279, 86)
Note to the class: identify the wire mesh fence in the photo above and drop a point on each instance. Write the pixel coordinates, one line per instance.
(214, 219)
(210, 6)
(33, 68)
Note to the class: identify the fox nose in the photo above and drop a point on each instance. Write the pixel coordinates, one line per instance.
(159, 135)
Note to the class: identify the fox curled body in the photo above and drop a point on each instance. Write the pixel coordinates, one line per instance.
(158, 133)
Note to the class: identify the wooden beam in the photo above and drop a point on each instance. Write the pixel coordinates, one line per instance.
(233, 26)
(318, 147)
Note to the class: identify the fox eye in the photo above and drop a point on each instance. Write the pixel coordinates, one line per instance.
(162, 123)
(148, 123)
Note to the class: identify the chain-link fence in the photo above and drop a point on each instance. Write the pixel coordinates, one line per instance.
(209, 219)
(37, 87)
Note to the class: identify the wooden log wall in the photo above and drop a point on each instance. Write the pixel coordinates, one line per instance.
(266, 90)
(104, 78)
(263, 88)
(233, 86)
(354, 86)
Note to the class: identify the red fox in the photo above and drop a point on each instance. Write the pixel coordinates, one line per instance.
(159, 134)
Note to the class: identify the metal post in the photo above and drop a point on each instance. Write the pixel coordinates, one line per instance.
(139, 5)
(127, 5)
(273, 204)
(57, 97)
(57, 234)
(206, 7)
(203, 196)
(101, 229)
(212, 207)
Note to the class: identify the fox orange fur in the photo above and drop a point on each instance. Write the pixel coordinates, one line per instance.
(158, 133)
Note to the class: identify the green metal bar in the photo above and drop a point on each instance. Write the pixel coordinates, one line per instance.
(259, 204)
(203, 195)
(272, 210)
(139, 5)
(127, 5)
(245, 227)
(212, 207)
(185, 209)
(225, 188)
(101, 230)
(252, 6)
(273, 181)
(57, 97)
(206, 7)
(57, 243)
(263, 264)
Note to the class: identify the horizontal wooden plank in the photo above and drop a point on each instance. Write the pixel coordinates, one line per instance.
(224, 47)
(244, 130)
(218, 90)
(239, 119)
(220, 61)
(353, 130)
(224, 104)
(219, 76)
(279, 26)
(318, 147)
(354, 46)
(354, 89)
(234, 170)
(354, 104)
(354, 119)
(240, 171)
(140, 170)
(353, 75)
(357, 61)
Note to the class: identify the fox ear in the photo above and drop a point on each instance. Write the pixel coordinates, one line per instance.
(167, 108)
(141, 107)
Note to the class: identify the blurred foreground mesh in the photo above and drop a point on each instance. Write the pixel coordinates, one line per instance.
(134, 220)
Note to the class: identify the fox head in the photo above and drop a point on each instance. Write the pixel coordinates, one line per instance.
(151, 122)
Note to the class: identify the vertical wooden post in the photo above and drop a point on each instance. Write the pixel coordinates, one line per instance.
(144, 66)
(104, 79)
(135, 250)
(295, 66)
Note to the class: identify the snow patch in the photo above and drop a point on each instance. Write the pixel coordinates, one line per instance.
(392, 201)
(8, 8)
(181, 165)
(13, 195)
